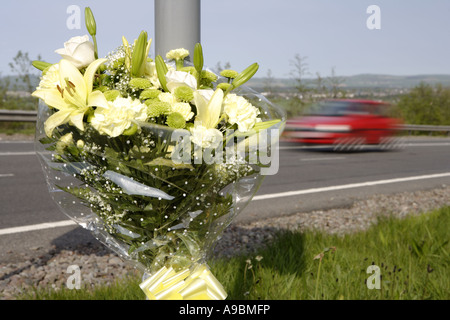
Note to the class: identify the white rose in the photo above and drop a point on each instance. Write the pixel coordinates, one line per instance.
(180, 78)
(240, 112)
(79, 51)
(119, 116)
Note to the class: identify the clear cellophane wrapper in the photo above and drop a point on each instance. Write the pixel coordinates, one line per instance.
(162, 216)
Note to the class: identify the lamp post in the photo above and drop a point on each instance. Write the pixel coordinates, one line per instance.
(177, 25)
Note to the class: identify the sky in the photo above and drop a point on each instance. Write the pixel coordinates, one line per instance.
(413, 36)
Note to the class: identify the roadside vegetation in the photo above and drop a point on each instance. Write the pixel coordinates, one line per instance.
(409, 257)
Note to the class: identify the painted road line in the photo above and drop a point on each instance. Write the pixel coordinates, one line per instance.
(349, 186)
(6, 175)
(30, 153)
(261, 197)
(407, 144)
(322, 159)
(35, 227)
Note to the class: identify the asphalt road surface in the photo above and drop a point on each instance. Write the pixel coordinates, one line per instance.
(307, 179)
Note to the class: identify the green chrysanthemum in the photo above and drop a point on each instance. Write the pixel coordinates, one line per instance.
(176, 120)
(140, 83)
(157, 108)
(111, 95)
(184, 94)
(224, 86)
(209, 76)
(191, 70)
(231, 74)
(149, 94)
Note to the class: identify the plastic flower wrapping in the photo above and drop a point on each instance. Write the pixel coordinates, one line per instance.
(154, 156)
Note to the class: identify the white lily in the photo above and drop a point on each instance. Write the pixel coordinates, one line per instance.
(72, 97)
(204, 132)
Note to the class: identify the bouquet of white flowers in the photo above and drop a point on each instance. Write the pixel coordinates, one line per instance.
(155, 157)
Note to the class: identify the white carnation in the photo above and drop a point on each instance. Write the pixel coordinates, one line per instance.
(177, 54)
(51, 79)
(184, 109)
(119, 116)
(167, 97)
(206, 138)
(241, 112)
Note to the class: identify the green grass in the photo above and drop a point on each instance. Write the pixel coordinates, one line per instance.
(412, 254)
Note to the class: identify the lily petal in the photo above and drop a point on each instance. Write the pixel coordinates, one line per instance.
(215, 108)
(90, 74)
(76, 92)
(97, 99)
(51, 97)
(76, 117)
(55, 120)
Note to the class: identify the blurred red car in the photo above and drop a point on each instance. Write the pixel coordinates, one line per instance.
(343, 123)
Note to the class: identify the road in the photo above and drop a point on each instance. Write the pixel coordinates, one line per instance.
(308, 179)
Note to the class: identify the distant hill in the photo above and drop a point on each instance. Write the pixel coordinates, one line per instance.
(357, 81)
(363, 81)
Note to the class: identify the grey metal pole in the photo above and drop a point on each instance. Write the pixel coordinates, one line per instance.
(177, 25)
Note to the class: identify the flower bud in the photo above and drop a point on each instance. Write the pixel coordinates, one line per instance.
(91, 26)
(198, 58)
(139, 54)
(161, 69)
(245, 75)
(41, 65)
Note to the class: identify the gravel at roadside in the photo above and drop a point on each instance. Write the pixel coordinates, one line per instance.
(100, 266)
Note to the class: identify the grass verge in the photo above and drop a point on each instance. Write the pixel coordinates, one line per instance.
(409, 256)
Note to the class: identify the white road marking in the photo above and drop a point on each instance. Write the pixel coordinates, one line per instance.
(349, 186)
(24, 153)
(408, 144)
(4, 175)
(322, 159)
(41, 226)
(66, 223)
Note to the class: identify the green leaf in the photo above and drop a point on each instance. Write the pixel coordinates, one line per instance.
(168, 163)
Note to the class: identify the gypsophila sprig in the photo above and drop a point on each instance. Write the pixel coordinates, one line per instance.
(147, 154)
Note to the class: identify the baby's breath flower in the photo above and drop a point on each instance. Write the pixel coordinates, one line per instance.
(177, 54)
(229, 73)
(149, 94)
(157, 108)
(111, 95)
(140, 83)
(184, 93)
(176, 120)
